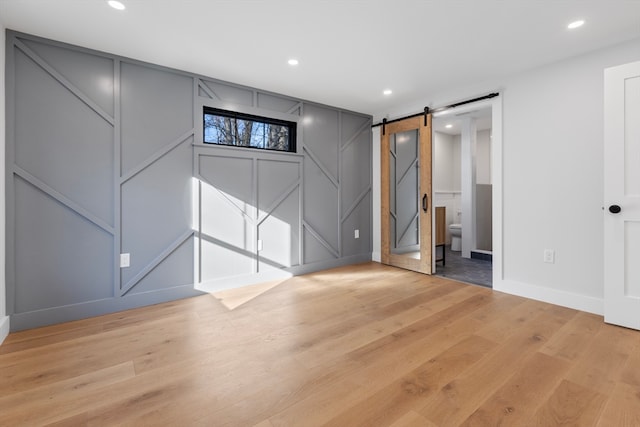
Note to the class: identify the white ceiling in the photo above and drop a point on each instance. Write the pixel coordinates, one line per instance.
(349, 50)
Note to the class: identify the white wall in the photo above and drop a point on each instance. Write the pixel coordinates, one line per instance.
(446, 176)
(4, 319)
(456, 169)
(443, 162)
(552, 176)
(446, 160)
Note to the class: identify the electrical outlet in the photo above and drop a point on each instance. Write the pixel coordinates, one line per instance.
(549, 256)
(259, 245)
(356, 234)
(125, 260)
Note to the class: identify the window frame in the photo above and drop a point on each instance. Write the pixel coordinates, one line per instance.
(237, 115)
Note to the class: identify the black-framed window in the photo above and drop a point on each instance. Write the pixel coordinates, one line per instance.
(224, 127)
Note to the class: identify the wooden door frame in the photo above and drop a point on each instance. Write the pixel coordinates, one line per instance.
(424, 264)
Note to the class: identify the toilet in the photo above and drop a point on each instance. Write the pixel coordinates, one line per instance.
(456, 237)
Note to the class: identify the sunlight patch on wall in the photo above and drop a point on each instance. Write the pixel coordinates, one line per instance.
(236, 244)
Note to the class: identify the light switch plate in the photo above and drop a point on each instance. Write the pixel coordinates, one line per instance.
(549, 256)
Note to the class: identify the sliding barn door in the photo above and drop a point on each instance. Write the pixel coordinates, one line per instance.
(406, 194)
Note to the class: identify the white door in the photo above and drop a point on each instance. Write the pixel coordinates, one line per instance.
(622, 195)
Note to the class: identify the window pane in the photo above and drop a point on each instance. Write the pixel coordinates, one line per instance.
(228, 128)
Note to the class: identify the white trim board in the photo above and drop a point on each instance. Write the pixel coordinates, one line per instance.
(552, 296)
(4, 328)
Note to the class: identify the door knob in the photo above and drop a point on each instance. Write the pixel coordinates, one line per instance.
(614, 209)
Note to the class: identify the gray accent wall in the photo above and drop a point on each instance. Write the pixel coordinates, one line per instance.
(105, 156)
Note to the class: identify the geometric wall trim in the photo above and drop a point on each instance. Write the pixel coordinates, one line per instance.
(105, 157)
(344, 186)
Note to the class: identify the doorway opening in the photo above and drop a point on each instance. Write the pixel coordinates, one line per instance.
(463, 194)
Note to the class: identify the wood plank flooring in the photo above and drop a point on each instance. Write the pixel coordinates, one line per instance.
(364, 345)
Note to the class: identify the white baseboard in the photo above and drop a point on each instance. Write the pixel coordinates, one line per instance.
(552, 296)
(4, 328)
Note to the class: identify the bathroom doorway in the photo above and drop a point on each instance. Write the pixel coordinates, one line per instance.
(463, 194)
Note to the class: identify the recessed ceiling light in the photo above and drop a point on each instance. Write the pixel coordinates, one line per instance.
(293, 61)
(449, 126)
(116, 5)
(387, 92)
(575, 24)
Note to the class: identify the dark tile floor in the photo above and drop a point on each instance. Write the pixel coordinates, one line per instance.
(475, 271)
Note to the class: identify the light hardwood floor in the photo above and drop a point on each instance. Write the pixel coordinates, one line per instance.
(365, 345)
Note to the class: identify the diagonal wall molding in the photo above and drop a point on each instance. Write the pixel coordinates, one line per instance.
(364, 128)
(295, 108)
(355, 204)
(62, 199)
(226, 198)
(320, 239)
(281, 198)
(156, 262)
(202, 85)
(64, 82)
(324, 170)
(157, 156)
